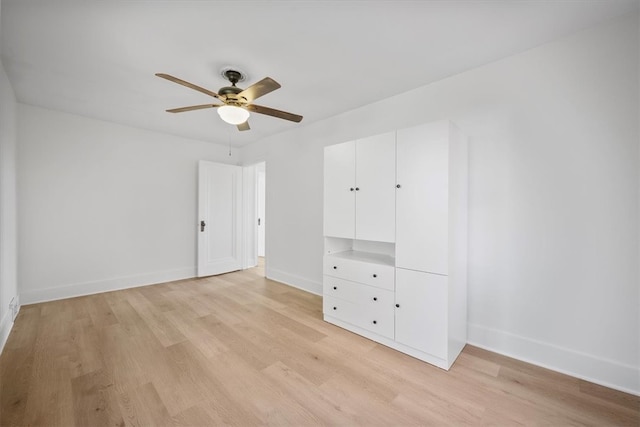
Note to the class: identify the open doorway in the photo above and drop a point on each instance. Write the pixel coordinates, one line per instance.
(254, 246)
(261, 186)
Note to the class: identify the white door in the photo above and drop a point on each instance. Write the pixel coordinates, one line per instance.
(219, 218)
(422, 225)
(376, 188)
(339, 190)
(421, 311)
(261, 212)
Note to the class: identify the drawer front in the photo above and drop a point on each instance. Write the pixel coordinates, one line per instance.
(357, 293)
(376, 319)
(379, 275)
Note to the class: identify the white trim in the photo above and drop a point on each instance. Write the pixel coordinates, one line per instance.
(249, 216)
(106, 285)
(597, 370)
(294, 281)
(5, 328)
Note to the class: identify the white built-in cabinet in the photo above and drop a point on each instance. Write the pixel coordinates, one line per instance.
(359, 190)
(395, 228)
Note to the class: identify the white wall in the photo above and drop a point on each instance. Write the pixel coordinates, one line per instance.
(8, 218)
(103, 206)
(554, 202)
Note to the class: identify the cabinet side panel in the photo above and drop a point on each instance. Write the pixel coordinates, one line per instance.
(339, 201)
(458, 241)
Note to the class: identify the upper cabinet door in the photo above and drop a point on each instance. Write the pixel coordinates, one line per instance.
(339, 190)
(375, 185)
(422, 199)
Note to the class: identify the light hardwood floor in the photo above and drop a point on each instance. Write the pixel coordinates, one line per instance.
(239, 349)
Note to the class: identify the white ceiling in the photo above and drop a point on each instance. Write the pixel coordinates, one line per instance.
(98, 58)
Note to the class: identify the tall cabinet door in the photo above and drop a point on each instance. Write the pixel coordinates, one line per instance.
(421, 311)
(375, 185)
(422, 199)
(339, 190)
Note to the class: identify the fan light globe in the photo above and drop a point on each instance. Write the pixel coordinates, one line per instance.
(233, 115)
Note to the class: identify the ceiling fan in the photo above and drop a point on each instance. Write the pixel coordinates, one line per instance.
(236, 102)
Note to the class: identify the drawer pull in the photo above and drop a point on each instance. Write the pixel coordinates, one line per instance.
(375, 322)
(335, 308)
(335, 288)
(335, 267)
(375, 275)
(375, 298)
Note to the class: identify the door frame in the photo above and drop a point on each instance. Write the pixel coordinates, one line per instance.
(250, 214)
(262, 214)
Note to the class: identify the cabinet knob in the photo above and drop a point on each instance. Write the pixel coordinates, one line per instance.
(375, 275)
(375, 298)
(335, 308)
(357, 188)
(335, 287)
(397, 185)
(375, 322)
(335, 267)
(351, 189)
(397, 305)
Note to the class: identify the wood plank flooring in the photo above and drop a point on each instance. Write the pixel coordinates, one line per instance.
(238, 349)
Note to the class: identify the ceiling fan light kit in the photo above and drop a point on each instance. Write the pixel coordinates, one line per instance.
(236, 102)
(232, 114)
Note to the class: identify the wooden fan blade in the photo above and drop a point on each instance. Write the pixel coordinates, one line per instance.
(244, 126)
(273, 112)
(193, 107)
(187, 84)
(260, 88)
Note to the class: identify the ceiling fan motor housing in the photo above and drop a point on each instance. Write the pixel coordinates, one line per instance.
(230, 92)
(234, 90)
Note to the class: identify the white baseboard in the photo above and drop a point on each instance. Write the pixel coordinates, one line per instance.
(5, 328)
(106, 285)
(293, 280)
(6, 323)
(601, 371)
